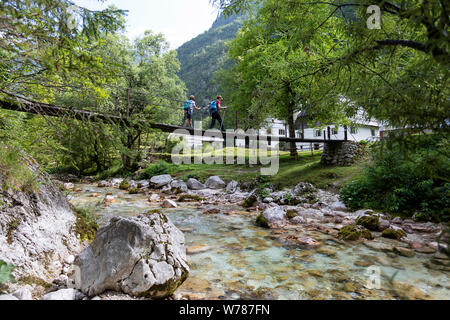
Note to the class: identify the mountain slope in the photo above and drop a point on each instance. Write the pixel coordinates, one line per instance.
(205, 54)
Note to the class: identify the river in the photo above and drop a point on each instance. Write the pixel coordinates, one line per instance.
(231, 258)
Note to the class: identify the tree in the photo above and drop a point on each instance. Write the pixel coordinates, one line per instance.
(271, 60)
(41, 45)
(46, 57)
(398, 74)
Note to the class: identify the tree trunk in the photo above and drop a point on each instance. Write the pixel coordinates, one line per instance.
(291, 123)
(293, 145)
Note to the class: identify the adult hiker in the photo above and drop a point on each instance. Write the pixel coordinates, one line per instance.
(188, 110)
(214, 108)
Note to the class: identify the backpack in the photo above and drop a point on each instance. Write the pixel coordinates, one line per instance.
(187, 105)
(213, 106)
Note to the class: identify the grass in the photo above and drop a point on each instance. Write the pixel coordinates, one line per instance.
(14, 171)
(306, 168)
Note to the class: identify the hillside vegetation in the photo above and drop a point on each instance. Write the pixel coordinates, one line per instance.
(205, 54)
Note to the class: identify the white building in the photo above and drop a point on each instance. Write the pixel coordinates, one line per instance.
(361, 129)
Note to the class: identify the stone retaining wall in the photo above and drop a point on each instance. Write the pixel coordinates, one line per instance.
(341, 153)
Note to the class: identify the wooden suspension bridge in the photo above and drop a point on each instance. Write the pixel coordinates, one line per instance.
(21, 104)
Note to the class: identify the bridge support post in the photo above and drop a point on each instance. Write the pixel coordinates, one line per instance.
(341, 153)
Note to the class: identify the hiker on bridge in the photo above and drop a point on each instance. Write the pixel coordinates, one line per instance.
(214, 108)
(189, 109)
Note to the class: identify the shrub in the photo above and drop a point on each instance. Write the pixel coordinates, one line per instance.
(192, 176)
(86, 225)
(155, 170)
(173, 142)
(5, 272)
(405, 181)
(264, 193)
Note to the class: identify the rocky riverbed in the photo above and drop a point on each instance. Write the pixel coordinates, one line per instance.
(292, 244)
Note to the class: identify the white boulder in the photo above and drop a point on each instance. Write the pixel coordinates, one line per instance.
(140, 256)
(194, 184)
(215, 182)
(160, 181)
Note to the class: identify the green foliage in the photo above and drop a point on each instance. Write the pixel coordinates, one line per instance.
(5, 272)
(321, 58)
(14, 171)
(57, 47)
(405, 182)
(86, 224)
(155, 170)
(173, 142)
(264, 193)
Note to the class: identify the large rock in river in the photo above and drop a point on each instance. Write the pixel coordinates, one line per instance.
(141, 256)
(275, 216)
(215, 183)
(194, 184)
(160, 181)
(179, 186)
(232, 187)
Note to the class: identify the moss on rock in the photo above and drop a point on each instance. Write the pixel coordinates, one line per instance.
(393, 234)
(124, 185)
(189, 198)
(262, 221)
(291, 214)
(369, 222)
(250, 201)
(133, 191)
(354, 232)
